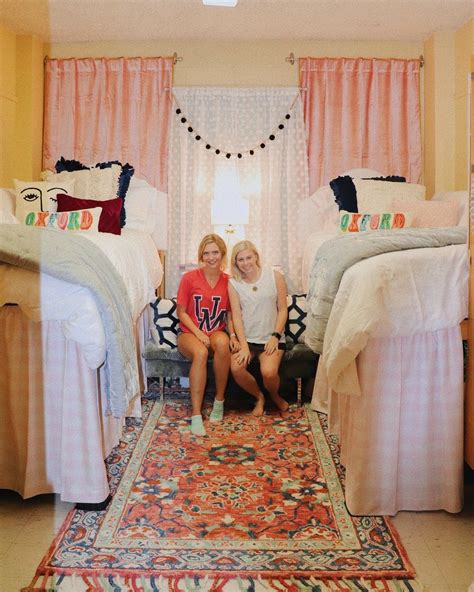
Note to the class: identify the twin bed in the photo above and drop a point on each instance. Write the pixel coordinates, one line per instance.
(390, 373)
(73, 324)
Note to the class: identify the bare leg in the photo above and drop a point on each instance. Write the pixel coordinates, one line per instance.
(197, 353)
(269, 365)
(246, 381)
(221, 362)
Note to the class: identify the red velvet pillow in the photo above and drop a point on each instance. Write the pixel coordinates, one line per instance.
(109, 220)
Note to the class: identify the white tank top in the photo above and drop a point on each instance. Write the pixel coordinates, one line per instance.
(258, 303)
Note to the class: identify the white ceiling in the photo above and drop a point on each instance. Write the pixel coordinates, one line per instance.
(94, 20)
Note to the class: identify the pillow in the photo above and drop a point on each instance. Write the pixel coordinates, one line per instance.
(109, 218)
(295, 325)
(8, 218)
(358, 222)
(430, 214)
(75, 221)
(39, 196)
(323, 213)
(141, 209)
(7, 200)
(346, 195)
(126, 174)
(376, 196)
(165, 326)
(461, 198)
(98, 184)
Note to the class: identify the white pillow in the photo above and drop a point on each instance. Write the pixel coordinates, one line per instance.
(39, 196)
(362, 173)
(377, 196)
(7, 200)
(318, 213)
(93, 183)
(75, 221)
(140, 208)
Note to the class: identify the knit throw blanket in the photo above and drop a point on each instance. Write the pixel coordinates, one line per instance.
(77, 260)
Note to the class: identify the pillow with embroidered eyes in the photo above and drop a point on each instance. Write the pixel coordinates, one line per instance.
(39, 196)
(359, 222)
(76, 221)
(109, 218)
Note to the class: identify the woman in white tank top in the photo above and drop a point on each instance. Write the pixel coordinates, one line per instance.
(259, 312)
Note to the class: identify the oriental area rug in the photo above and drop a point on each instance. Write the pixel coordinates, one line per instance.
(256, 505)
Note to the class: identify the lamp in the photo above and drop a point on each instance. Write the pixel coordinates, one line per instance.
(229, 213)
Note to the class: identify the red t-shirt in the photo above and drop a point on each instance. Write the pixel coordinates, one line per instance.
(206, 306)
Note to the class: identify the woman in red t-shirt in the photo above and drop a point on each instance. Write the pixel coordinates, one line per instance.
(203, 311)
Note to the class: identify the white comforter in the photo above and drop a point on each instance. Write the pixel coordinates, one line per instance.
(395, 294)
(133, 255)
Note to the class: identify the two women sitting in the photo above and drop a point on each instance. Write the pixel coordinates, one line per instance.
(255, 327)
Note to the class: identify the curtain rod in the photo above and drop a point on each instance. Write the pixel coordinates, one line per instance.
(175, 56)
(291, 59)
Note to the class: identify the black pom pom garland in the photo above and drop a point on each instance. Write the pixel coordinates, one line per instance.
(251, 152)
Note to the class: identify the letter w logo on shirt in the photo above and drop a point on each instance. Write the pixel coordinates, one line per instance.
(208, 319)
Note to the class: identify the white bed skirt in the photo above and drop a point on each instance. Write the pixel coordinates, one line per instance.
(402, 439)
(54, 431)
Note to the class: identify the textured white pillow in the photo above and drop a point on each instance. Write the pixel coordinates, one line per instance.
(377, 196)
(76, 221)
(39, 196)
(94, 183)
(140, 209)
(320, 211)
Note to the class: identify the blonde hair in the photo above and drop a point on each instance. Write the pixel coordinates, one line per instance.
(243, 245)
(213, 238)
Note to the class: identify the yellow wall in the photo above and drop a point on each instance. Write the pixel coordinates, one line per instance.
(464, 53)
(231, 63)
(21, 106)
(448, 58)
(8, 104)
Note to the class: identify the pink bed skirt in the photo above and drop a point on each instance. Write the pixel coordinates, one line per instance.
(54, 431)
(402, 439)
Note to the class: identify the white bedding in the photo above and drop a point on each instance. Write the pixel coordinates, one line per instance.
(133, 255)
(393, 295)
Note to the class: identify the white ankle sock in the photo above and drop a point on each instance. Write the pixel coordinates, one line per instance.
(217, 413)
(197, 427)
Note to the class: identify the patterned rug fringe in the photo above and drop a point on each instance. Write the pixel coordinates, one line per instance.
(102, 583)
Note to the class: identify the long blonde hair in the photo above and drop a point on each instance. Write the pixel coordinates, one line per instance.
(242, 245)
(213, 238)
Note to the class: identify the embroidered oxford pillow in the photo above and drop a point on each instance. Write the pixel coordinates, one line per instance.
(164, 329)
(365, 222)
(76, 221)
(295, 325)
(109, 218)
(39, 196)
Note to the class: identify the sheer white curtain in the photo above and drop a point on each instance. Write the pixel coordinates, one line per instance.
(274, 179)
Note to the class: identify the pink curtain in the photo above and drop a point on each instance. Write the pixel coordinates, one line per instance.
(109, 109)
(361, 113)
